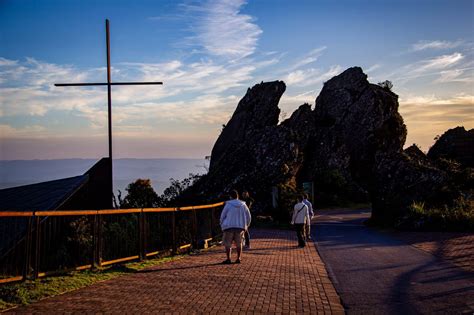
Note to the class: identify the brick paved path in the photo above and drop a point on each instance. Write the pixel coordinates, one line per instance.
(275, 277)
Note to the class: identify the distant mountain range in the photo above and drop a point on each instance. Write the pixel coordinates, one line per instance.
(23, 172)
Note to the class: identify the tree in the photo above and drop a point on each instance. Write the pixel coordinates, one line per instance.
(178, 187)
(388, 85)
(140, 194)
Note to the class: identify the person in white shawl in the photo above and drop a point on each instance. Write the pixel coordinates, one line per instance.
(299, 219)
(235, 219)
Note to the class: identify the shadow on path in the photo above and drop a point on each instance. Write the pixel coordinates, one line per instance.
(374, 272)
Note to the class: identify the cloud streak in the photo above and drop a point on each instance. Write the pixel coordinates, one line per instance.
(428, 116)
(435, 45)
(222, 30)
(440, 62)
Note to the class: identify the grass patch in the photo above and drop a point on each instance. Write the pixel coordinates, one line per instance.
(457, 217)
(27, 292)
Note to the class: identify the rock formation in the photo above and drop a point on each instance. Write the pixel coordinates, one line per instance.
(257, 110)
(455, 144)
(354, 136)
(354, 120)
(253, 152)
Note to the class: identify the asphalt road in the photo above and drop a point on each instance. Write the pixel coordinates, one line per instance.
(376, 274)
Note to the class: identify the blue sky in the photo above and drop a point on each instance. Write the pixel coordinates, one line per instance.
(208, 53)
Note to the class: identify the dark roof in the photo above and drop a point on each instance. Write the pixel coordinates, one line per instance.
(42, 196)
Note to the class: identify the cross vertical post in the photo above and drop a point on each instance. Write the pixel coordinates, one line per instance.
(109, 88)
(109, 84)
(109, 106)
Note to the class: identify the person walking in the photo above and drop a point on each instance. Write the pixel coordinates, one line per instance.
(311, 215)
(235, 219)
(299, 219)
(248, 201)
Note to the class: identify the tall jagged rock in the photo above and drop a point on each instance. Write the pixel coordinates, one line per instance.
(257, 109)
(254, 152)
(354, 120)
(362, 117)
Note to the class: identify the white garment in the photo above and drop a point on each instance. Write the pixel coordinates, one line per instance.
(235, 214)
(310, 207)
(300, 214)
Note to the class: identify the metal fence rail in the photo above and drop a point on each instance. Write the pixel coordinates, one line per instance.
(39, 243)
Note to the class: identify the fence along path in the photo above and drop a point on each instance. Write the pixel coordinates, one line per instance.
(39, 243)
(275, 277)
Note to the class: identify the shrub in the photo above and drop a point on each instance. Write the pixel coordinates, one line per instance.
(388, 85)
(331, 188)
(177, 187)
(286, 200)
(140, 194)
(458, 217)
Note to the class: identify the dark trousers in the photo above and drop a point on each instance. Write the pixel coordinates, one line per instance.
(300, 233)
(247, 237)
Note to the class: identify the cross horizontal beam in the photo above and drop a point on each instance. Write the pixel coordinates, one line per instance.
(111, 83)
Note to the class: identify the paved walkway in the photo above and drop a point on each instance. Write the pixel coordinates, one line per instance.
(379, 272)
(457, 248)
(275, 277)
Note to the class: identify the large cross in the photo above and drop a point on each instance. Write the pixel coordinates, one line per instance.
(109, 84)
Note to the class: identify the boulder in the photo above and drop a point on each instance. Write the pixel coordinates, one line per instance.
(357, 120)
(354, 120)
(455, 144)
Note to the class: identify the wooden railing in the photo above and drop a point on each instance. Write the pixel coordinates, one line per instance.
(39, 243)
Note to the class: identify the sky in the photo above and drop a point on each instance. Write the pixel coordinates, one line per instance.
(208, 53)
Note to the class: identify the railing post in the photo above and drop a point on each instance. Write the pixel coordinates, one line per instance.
(36, 262)
(173, 232)
(212, 222)
(94, 262)
(99, 241)
(195, 230)
(145, 234)
(141, 235)
(29, 234)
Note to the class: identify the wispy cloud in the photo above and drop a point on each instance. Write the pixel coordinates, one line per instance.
(372, 68)
(432, 66)
(460, 99)
(456, 75)
(440, 62)
(7, 62)
(312, 76)
(34, 95)
(303, 86)
(308, 58)
(428, 115)
(300, 76)
(222, 30)
(435, 44)
(7, 131)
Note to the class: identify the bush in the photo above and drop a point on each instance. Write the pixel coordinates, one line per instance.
(331, 188)
(177, 188)
(288, 194)
(458, 217)
(140, 194)
(388, 85)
